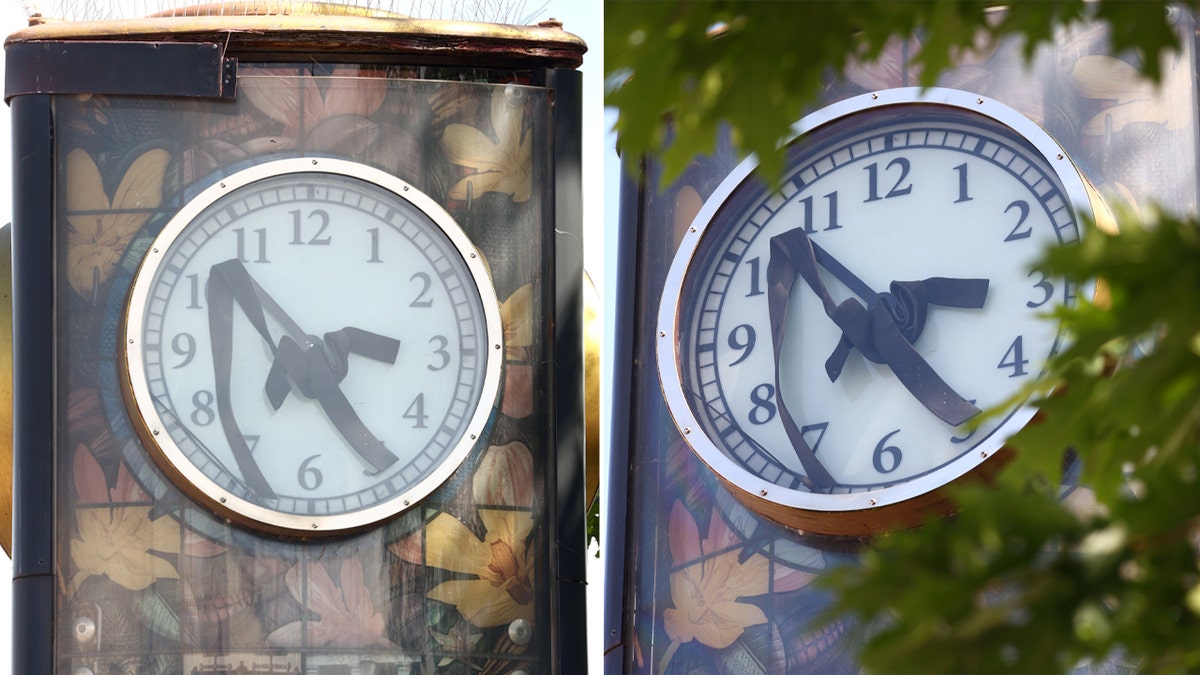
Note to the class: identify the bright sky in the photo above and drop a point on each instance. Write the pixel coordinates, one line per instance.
(581, 17)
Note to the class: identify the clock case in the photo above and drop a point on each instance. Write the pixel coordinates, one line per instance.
(115, 567)
(909, 500)
(670, 521)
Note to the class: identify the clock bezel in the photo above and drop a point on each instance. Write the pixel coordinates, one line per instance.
(855, 513)
(167, 455)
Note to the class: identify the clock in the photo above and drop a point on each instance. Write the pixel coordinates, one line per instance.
(311, 346)
(827, 347)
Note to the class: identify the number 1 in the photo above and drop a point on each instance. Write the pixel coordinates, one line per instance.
(962, 183)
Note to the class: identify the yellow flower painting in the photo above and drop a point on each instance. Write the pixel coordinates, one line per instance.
(501, 165)
(99, 229)
(503, 588)
(516, 314)
(118, 541)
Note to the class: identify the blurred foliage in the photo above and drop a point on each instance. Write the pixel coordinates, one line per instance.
(1029, 576)
(759, 66)
(1024, 581)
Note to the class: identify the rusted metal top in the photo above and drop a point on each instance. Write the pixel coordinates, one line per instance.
(279, 28)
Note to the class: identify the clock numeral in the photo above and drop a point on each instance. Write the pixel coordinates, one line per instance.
(744, 343)
(1013, 358)
(203, 415)
(416, 412)
(184, 345)
(962, 184)
(1046, 287)
(440, 352)
(309, 477)
(809, 225)
(194, 291)
(820, 428)
(764, 408)
(374, 232)
(873, 180)
(886, 458)
(426, 283)
(755, 285)
(315, 240)
(240, 233)
(1022, 208)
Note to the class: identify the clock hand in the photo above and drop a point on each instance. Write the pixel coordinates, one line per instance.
(884, 330)
(317, 377)
(315, 365)
(335, 348)
(224, 289)
(907, 302)
(777, 300)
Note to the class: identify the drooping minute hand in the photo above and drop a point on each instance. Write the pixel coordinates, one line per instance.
(883, 330)
(316, 365)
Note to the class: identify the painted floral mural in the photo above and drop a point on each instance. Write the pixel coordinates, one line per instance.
(717, 589)
(153, 583)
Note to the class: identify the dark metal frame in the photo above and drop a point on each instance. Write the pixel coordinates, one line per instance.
(569, 616)
(33, 385)
(618, 561)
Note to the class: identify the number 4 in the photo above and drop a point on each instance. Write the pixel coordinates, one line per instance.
(1013, 358)
(416, 412)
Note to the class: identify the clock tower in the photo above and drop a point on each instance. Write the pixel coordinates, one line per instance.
(297, 309)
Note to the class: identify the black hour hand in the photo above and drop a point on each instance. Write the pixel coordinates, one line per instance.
(320, 355)
(315, 376)
(880, 330)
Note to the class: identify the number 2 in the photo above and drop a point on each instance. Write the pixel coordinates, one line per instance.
(426, 283)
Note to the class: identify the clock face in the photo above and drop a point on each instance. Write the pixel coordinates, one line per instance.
(312, 345)
(828, 347)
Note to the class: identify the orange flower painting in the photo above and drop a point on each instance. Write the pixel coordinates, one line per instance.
(299, 102)
(346, 616)
(707, 590)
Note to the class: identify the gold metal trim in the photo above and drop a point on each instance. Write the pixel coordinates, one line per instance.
(546, 45)
(6, 390)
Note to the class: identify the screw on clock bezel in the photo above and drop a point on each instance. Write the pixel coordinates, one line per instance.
(854, 513)
(167, 455)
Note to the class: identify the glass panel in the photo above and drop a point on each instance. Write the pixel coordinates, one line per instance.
(717, 588)
(153, 583)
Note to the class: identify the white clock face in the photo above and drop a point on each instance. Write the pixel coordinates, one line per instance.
(829, 346)
(312, 346)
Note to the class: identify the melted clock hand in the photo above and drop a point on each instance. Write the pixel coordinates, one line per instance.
(884, 330)
(316, 366)
(335, 350)
(226, 286)
(317, 376)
